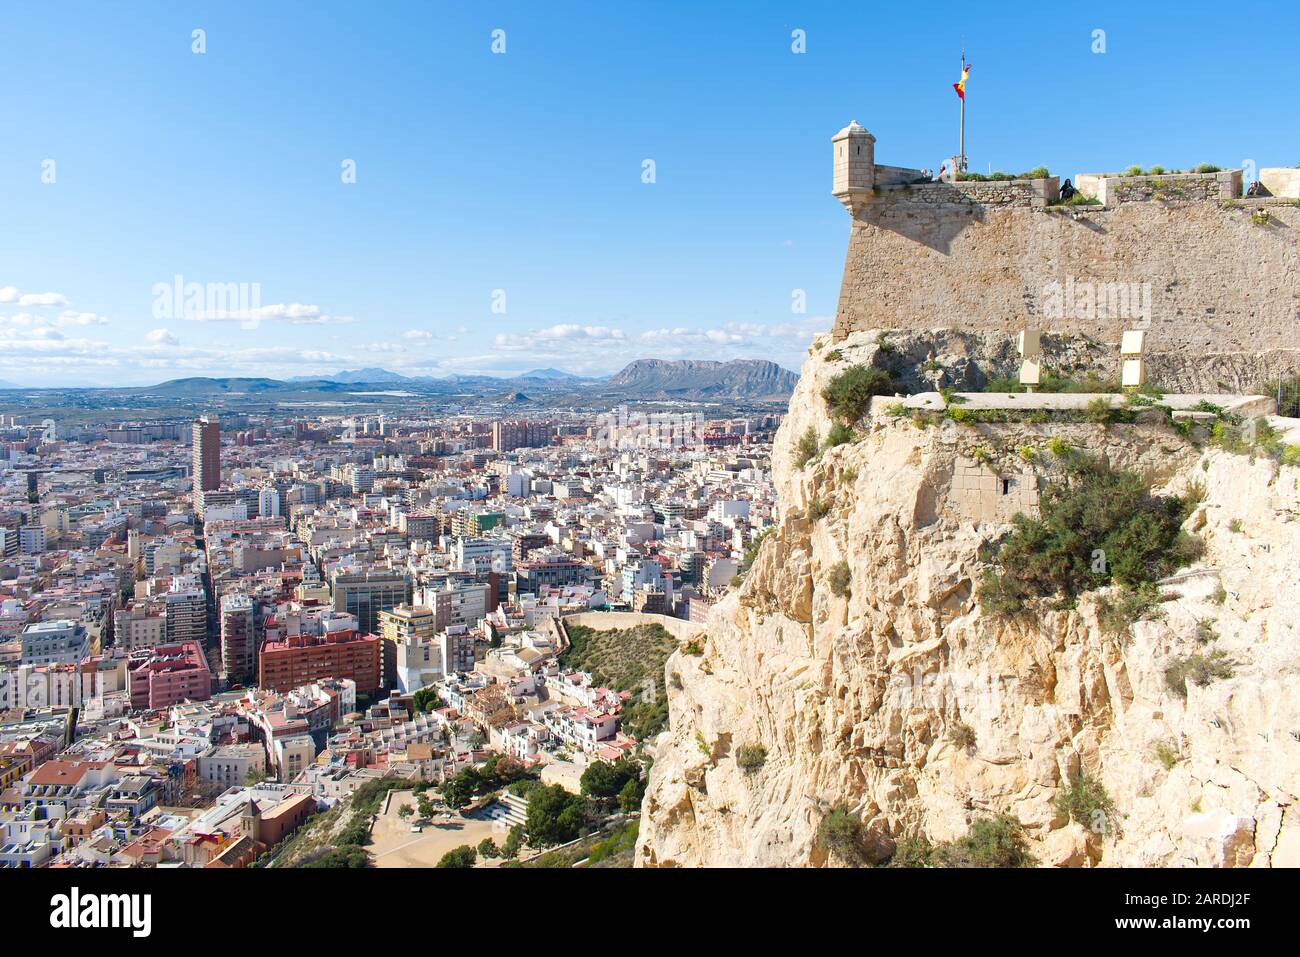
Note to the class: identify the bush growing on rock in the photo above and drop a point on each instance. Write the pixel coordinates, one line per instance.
(751, 757)
(840, 434)
(1097, 526)
(962, 736)
(806, 448)
(991, 842)
(1085, 802)
(843, 834)
(1166, 753)
(840, 578)
(1198, 669)
(848, 395)
(1117, 613)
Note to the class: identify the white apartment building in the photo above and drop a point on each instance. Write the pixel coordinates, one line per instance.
(229, 765)
(61, 642)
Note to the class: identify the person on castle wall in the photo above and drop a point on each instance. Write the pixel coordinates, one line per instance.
(1256, 189)
(943, 168)
(1067, 190)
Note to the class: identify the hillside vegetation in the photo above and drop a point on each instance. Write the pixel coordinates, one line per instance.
(623, 659)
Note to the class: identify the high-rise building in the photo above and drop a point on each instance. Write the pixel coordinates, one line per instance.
(508, 435)
(185, 611)
(268, 503)
(59, 642)
(207, 454)
(238, 638)
(457, 646)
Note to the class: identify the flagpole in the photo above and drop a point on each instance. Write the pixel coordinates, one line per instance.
(961, 136)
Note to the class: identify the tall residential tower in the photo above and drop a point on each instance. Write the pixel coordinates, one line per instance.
(207, 454)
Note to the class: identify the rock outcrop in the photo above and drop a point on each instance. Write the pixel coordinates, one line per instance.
(867, 688)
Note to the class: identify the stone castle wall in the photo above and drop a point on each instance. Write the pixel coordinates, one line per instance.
(986, 257)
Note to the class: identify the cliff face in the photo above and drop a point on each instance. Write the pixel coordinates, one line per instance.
(863, 698)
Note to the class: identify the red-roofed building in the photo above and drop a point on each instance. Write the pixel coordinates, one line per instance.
(301, 659)
(169, 674)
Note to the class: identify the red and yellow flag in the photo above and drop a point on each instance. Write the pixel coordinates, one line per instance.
(961, 87)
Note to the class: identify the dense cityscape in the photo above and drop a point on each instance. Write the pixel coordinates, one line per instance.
(213, 630)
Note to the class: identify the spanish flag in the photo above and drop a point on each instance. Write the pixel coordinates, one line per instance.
(961, 87)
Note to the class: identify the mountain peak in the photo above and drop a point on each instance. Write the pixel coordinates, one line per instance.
(679, 378)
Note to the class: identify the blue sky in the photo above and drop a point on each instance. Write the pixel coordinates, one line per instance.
(481, 173)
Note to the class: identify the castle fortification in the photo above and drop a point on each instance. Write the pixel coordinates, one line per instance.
(1214, 277)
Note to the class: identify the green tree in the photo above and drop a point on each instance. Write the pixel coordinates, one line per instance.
(513, 840)
(554, 816)
(426, 700)
(461, 789)
(606, 779)
(629, 798)
(487, 849)
(463, 856)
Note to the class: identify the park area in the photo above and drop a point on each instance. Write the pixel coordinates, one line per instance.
(394, 845)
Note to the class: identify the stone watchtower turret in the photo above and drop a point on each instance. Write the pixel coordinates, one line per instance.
(855, 165)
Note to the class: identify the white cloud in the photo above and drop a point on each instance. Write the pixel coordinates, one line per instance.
(292, 313)
(42, 299)
(70, 318)
(162, 337)
(11, 294)
(552, 336)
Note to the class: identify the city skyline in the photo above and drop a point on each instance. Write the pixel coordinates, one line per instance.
(443, 191)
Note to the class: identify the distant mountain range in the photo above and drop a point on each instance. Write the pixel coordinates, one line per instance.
(688, 379)
(701, 378)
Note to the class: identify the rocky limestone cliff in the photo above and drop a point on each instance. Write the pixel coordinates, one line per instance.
(858, 698)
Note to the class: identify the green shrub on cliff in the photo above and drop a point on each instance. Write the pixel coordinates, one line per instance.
(843, 834)
(991, 842)
(805, 449)
(1097, 526)
(751, 757)
(840, 578)
(849, 394)
(840, 434)
(1086, 802)
(1199, 669)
